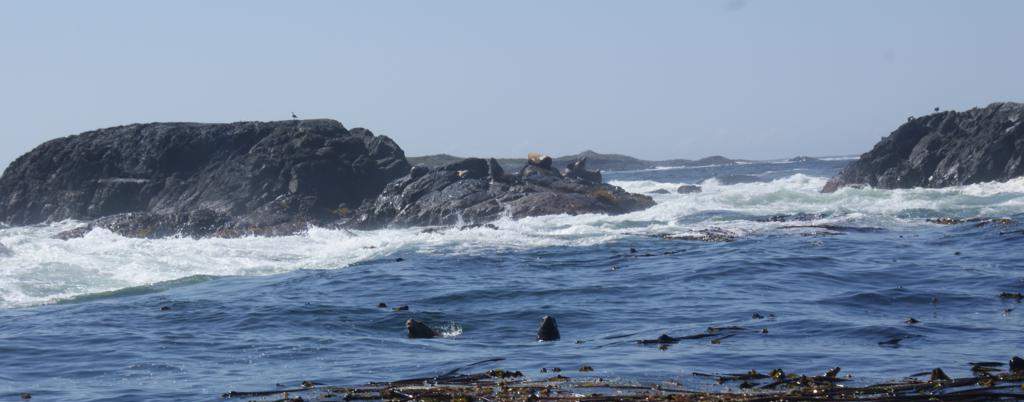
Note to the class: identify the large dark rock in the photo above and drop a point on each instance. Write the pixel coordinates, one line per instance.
(159, 179)
(475, 191)
(944, 149)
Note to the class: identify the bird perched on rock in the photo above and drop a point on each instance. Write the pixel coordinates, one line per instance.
(294, 116)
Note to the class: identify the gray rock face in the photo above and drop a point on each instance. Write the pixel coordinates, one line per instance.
(944, 149)
(200, 180)
(151, 180)
(472, 191)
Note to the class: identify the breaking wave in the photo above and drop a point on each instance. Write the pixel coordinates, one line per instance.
(42, 270)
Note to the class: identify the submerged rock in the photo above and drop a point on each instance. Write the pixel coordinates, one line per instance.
(159, 179)
(548, 330)
(688, 189)
(944, 149)
(419, 330)
(730, 179)
(442, 196)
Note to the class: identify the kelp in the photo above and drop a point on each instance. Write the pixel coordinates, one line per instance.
(988, 384)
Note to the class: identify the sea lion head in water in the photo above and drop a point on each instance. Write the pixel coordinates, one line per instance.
(419, 330)
(548, 330)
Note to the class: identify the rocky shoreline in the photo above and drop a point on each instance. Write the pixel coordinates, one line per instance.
(277, 178)
(943, 149)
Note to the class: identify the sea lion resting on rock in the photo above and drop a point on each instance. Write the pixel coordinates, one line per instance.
(419, 330)
(539, 159)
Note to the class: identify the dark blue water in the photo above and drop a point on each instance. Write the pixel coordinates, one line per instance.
(832, 275)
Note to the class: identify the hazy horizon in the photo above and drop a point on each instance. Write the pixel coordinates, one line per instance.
(654, 80)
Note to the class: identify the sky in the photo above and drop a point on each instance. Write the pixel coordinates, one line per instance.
(654, 79)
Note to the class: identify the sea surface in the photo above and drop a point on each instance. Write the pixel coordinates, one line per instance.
(834, 276)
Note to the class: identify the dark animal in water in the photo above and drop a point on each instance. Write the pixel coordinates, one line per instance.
(419, 330)
(548, 330)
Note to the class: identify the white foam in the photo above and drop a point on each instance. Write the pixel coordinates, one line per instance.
(43, 269)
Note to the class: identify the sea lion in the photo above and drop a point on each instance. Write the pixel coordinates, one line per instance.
(419, 330)
(1016, 365)
(664, 339)
(548, 330)
(539, 159)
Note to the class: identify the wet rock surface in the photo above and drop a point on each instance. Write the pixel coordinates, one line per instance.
(152, 180)
(277, 178)
(476, 190)
(944, 149)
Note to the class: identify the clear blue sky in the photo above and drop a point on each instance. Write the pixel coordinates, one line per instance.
(750, 79)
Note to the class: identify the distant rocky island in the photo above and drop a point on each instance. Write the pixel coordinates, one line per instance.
(598, 161)
(944, 149)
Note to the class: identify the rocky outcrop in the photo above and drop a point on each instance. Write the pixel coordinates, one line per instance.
(688, 189)
(252, 178)
(159, 179)
(475, 191)
(944, 149)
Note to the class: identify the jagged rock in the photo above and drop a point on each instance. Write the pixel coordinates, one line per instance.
(688, 189)
(944, 149)
(160, 179)
(442, 197)
(252, 178)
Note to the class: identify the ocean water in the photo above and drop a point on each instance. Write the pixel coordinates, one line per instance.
(834, 276)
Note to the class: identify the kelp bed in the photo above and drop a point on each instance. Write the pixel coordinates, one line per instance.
(989, 383)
